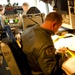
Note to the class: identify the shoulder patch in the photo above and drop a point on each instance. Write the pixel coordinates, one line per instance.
(50, 50)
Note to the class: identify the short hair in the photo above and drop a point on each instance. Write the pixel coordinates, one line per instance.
(1, 7)
(54, 16)
(25, 4)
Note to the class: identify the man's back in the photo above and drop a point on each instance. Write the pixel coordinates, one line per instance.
(33, 45)
(37, 44)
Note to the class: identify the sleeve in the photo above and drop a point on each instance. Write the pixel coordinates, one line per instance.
(47, 60)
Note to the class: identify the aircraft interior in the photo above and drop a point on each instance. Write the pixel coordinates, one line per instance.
(11, 55)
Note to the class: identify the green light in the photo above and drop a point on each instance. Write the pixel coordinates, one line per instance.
(6, 21)
(16, 20)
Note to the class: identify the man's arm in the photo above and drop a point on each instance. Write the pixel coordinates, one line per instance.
(48, 60)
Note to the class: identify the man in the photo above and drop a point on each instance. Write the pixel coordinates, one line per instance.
(2, 17)
(25, 7)
(37, 44)
(2, 23)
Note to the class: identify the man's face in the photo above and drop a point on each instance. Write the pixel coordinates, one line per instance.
(25, 8)
(3, 11)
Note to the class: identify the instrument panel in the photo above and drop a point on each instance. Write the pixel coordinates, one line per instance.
(13, 20)
(13, 16)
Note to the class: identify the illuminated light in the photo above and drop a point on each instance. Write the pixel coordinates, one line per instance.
(16, 20)
(6, 21)
(10, 21)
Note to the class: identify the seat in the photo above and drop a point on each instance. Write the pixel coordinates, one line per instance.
(32, 19)
(13, 54)
(10, 60)
(33, 10)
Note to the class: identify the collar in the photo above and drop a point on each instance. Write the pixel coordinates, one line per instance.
(48, 31)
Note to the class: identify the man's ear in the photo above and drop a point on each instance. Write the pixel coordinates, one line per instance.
(54, 25)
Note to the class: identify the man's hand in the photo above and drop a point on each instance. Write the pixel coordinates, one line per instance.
(62, 50)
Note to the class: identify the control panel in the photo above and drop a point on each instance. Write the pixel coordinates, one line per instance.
(13, 16)
(13, 20)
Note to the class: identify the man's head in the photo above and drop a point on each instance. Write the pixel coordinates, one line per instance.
(52, 21)
(2, 9)
(25, 6)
